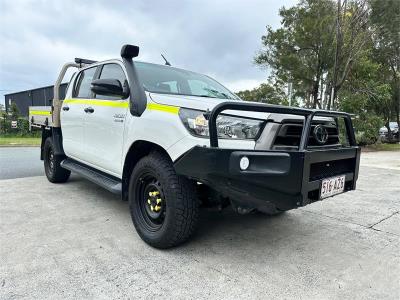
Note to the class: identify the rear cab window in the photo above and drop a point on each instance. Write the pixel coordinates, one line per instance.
(82, 83)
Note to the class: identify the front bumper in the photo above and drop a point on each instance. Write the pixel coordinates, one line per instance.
(284, 180)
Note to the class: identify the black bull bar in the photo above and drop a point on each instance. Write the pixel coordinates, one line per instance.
(285, 179)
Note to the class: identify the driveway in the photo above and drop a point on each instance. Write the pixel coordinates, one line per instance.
(17, 162)
(76, 241)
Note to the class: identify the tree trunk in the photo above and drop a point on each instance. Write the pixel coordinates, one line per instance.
(315, 88)
(336, 61)
(390, 135)
(397, 104)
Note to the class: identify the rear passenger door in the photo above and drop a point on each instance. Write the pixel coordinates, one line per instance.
(73, 115)
(104, 127)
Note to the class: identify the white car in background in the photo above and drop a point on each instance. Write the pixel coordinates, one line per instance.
(394, 128)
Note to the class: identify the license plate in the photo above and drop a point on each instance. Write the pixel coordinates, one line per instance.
(332, 186)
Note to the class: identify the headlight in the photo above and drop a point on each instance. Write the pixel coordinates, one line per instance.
(227, 126)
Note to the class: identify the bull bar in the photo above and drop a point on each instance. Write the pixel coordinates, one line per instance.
(283, 179)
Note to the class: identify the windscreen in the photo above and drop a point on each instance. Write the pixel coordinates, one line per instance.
(169, 80)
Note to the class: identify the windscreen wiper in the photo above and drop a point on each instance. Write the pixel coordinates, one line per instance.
(205, 96)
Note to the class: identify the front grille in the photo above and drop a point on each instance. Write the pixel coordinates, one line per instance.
(328, 169)
(290, 135)
(294, 130)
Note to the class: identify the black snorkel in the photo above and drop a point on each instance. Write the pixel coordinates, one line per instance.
(138, 99)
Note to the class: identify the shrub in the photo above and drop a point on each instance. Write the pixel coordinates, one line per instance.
(367, 129)
(21, 130)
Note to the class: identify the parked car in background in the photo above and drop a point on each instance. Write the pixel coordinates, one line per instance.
(384, 134)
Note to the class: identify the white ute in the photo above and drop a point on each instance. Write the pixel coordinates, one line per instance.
(155, 135)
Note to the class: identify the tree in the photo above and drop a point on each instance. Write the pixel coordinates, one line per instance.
(352, 34)
(300, 51)
(316, 47)
(271, 93)
(365, 93)
(14, 111)
(385, 19)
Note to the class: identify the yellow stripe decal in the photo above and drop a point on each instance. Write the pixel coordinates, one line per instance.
(125, 104)
(109, 103)
(164, 108)
(40, 112)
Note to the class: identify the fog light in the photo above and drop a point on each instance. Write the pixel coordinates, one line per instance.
(244, 163)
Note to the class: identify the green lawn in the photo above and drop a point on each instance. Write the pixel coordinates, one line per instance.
(20, 141)
(383, 147)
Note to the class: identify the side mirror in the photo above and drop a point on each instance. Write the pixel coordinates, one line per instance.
(110, 87)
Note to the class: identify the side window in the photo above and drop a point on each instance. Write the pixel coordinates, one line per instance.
(112, 71)
(82, 84)
(165, 87)
(198, 87)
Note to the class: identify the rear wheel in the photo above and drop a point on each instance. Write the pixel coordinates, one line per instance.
(163, 205)
(54, 172)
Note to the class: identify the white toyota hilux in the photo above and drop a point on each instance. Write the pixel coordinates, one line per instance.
(170, 140)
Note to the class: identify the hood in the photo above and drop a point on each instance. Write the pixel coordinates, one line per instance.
(202, 103)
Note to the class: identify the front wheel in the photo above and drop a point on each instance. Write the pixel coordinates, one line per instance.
(54, 172)
(163, 206)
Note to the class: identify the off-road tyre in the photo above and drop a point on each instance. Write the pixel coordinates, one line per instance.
(54, 172)
(178, 207)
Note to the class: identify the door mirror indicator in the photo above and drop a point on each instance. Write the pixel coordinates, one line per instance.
(110, 87)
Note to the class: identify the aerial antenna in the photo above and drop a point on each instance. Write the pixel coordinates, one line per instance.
(166, 61)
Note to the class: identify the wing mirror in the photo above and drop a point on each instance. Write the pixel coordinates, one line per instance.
(110, 87)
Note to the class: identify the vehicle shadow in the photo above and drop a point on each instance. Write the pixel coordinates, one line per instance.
(229, 225)
(215, 227)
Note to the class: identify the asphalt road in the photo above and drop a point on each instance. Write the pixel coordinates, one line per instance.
(17, 162)
(76, 241)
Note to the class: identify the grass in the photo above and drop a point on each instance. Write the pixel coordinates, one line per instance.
(19, 141)
(383, 147)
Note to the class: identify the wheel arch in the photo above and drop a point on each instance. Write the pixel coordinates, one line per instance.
(45, 134)
(56, 136)
(137, 150)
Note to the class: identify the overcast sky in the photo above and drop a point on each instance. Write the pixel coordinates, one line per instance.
(218, 38)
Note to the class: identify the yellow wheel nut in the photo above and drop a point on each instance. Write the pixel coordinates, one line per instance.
(152, 207)
(158, 200)
(157, 208)
(148, 201)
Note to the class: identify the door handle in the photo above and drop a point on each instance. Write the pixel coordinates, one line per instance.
(66, 108)
(89, 110)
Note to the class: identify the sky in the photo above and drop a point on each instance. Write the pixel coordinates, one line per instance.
(217, 38)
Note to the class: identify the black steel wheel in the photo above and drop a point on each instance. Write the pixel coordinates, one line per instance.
(151, 201)
(163, 205)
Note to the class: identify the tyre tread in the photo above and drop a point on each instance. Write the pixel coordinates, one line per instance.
(182, 190)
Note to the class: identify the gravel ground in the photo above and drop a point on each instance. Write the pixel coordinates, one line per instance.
(76, 241)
